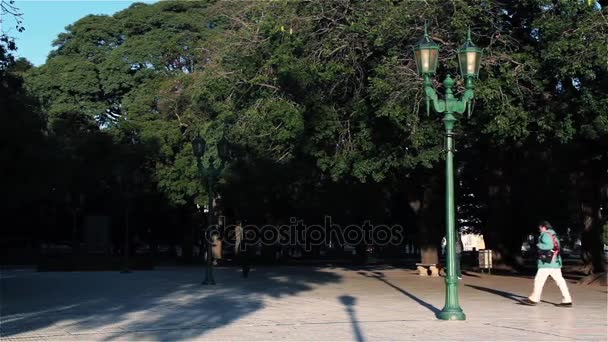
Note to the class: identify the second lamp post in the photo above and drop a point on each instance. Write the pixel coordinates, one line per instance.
(210, 169)
(426, 53)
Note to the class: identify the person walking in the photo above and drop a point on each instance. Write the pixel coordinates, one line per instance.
(245, 260)
(241, 249)
(549, 264)
(459, 249)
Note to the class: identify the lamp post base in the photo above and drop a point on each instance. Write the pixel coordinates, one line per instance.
(451, 314)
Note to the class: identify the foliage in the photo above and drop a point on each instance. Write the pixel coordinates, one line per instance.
(317, 99)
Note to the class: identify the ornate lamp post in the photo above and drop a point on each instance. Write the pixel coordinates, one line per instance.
(211, 169)
(426, 53)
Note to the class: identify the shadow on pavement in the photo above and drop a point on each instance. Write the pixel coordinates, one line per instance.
(349, 302)
(469, 274)
(516, 298)
(159, 305)
(508, 295)
(381, 277)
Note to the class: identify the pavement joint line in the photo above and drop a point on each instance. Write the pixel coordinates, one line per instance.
(528, 330)
(344, 322)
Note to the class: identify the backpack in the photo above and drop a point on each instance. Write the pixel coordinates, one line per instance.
(547, 256)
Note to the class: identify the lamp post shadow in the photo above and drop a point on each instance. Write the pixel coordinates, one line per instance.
(349, 302)
(380, 276)
(504, 294)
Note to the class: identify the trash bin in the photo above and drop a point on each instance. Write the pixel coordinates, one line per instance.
(485, 260)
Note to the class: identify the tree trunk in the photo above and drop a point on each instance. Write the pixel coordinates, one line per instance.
(188, 244)
(498, 230)
(588, 188)
(429, 254)
(188, 235)
(426, 206)
(592, 251)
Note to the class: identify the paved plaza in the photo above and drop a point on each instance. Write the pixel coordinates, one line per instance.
(286, 303)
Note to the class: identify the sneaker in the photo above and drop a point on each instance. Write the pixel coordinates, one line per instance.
(528, 301)
(460, 278)
(565, 305)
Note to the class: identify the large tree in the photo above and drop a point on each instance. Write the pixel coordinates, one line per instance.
(331, 88)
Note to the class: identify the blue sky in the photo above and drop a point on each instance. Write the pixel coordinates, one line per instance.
(44, 20)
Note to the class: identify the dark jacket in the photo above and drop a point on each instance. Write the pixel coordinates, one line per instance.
(459, 245)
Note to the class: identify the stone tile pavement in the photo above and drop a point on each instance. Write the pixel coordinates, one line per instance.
(286, 303)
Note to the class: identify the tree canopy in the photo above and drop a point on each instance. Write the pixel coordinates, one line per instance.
(321, 99)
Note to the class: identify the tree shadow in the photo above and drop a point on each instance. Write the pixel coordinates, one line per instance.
(349, 302)
(376, 268)
(156, 305)
(381, 277)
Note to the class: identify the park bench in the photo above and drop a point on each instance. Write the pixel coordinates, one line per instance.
(424, 269)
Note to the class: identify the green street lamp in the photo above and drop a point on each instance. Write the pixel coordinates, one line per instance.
(469, 56)
(211, 171)
(426, 53)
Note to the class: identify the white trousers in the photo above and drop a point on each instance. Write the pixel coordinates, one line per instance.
(539, 282)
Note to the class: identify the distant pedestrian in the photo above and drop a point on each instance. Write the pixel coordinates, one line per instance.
(549, 264)
(242, 249)
(459, 248)
(245, 262)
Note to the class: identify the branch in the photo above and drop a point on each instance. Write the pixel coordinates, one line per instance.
(267, 86)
